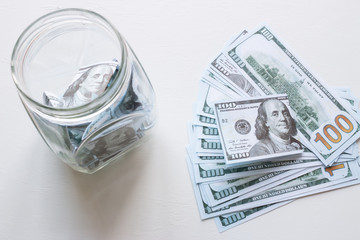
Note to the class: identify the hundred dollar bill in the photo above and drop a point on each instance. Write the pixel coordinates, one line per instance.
(324, 122)
(318, 179)
(208, 212)
(231, 79)
(214, 146)
(211, 135)
(208, 146)
(211, 146)
(213, 168)
(256, 129)
(223, 191)
(216, 82)
(203, 158)
(206, 132)
(204, 154)
(227, 221)
(203, 151)
(207, 95)
(234, 77)
(207, 159)
(342, 184)
(206, 172)
(211, 157)
(205, 210)
(205, 121)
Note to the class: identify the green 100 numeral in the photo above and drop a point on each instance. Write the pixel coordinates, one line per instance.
(335, 130)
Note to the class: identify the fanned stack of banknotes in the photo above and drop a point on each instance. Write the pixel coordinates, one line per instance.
(266, 131)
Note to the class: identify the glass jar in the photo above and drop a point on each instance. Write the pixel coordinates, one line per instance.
(83, 88)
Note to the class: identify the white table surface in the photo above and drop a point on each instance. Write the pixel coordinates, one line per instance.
(149, 195)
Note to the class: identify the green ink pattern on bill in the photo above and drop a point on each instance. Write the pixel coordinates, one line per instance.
(327, 125)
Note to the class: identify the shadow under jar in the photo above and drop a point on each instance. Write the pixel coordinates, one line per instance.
(83, 87)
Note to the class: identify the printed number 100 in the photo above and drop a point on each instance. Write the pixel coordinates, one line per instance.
(329, 127)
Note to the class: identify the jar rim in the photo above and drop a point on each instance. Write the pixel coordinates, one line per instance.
(98, 102)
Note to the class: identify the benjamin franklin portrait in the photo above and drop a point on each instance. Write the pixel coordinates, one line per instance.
(274, 128)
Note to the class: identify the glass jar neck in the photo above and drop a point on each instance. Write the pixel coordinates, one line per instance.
(45, 30)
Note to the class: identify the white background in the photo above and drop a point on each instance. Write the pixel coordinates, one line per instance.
(148, 195)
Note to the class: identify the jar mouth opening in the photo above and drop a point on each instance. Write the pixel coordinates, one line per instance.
(49, 27)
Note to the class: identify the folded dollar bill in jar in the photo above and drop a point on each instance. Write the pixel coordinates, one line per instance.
(89, 83)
